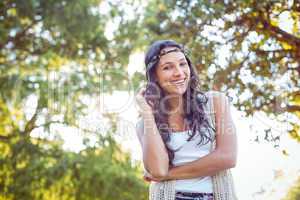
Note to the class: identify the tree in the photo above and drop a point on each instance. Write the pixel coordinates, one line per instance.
(53, 55)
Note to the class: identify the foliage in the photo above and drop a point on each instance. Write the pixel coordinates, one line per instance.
(53, 55)
(31, 171)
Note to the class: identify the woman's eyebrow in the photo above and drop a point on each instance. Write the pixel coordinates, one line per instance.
(166, 63)
(170, 62)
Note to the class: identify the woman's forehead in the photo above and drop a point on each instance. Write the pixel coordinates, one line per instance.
(171, 56)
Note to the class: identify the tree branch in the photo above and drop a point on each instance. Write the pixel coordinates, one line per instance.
(5, 138)
(293, 108)
(280, 34)
(283, 10)
(30, 125)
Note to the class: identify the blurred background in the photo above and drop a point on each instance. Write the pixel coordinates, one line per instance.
(69, 71)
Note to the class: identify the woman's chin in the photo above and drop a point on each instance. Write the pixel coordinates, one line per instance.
(177, 91)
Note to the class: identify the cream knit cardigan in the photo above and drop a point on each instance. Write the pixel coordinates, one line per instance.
(223, 186)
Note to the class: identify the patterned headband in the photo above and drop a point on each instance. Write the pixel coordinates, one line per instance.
(163, 52)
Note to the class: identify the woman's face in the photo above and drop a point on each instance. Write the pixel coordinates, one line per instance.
(173, 72)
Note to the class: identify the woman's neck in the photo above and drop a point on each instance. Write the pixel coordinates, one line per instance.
(175, 105)
(176, 119)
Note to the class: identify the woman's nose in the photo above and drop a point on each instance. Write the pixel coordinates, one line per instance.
(178, 71)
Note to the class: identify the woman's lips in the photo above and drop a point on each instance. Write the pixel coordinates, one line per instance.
(178, 82)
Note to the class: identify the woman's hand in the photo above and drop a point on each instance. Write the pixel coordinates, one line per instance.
(144, 108)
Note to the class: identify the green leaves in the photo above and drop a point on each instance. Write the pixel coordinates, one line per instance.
(54, 55)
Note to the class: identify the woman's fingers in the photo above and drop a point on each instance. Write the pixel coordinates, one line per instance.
(151, 103)
(146, 178)
(149, 178)
(142, 103)
(140, 95)
(142, 92)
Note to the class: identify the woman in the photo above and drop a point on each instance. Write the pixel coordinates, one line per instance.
(175, 131)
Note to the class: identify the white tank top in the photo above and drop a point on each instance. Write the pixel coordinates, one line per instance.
(188, 152)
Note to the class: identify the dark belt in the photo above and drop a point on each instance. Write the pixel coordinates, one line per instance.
(194, 195)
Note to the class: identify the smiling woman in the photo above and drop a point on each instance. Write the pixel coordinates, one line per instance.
(184, 146)
(173, 72)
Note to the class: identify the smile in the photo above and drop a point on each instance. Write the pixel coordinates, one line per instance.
(178, 82)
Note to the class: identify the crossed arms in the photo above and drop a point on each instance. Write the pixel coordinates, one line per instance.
(155, 157)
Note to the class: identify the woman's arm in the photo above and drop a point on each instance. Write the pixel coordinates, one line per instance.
(155, 156)
(225, 153)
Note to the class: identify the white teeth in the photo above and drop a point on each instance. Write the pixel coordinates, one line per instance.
(178, 82)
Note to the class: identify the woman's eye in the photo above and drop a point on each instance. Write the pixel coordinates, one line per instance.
(183, 64)
(166, 68)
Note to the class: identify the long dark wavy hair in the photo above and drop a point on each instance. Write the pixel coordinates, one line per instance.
(194, 99)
